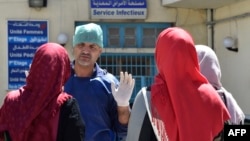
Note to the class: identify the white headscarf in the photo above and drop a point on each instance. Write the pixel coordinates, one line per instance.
(210, 68)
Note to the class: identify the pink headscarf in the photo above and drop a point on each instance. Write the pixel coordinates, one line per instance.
(32, 112)
(181, 96)
(210, 68)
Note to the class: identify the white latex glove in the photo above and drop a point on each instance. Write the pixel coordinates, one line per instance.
(123, 93)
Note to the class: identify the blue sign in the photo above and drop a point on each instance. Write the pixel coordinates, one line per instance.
(24, 37)
(118, 9)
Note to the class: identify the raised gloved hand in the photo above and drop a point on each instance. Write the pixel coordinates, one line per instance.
(123, 93)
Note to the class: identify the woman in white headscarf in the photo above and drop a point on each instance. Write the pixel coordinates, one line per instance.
(210, 68)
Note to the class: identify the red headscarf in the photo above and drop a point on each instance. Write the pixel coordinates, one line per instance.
(182, 98)
(32, 112)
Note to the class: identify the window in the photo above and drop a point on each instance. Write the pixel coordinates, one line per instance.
(150, 36)
(130, 35)
(113, 36)
(141, 66)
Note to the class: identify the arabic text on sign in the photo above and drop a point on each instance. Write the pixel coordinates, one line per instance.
(23, 47)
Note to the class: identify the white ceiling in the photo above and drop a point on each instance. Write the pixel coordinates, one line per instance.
(198, 4)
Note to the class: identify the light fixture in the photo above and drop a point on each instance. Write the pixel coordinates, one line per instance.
(62, 39)
(37, 3)
(230, 43)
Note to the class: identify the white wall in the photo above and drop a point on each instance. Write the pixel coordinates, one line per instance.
(61, 15)
(235, 66)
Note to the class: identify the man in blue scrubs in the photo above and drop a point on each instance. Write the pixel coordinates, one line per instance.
(103, 100)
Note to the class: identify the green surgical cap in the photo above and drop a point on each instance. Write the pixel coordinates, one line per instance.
(91, 33)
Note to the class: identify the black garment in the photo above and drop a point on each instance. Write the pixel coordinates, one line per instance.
(147, 132)
(71, 126)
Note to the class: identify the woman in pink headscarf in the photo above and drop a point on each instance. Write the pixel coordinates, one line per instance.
(40, 110)
(210, 68)
(182, 105)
